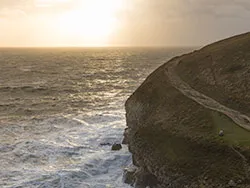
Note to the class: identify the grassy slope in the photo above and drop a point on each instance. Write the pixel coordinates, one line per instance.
(221, 71)
(233, 134)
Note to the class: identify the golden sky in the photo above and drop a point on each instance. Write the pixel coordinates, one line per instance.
(120, 22)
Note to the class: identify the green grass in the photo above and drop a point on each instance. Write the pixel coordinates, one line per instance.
(233, 134)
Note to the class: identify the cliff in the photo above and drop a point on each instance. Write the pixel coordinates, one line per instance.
(188, 123)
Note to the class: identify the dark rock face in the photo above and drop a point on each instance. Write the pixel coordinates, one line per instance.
(139, 177)
(125, 136)
(174, 140)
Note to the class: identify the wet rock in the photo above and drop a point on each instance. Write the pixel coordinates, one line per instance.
(116, 147)
(129, 175)
(105, 144)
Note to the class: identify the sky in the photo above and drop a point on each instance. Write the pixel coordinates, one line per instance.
(120, 22)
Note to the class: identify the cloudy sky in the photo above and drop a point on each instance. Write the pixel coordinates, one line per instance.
(121, 22)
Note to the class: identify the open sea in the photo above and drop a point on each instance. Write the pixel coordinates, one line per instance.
(62, 109)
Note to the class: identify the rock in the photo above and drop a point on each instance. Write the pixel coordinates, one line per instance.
(171, 128)
(231, 183)
(116, 147)
(105, 144)
(144, 179)
(129, 175)
(125, 136)
(221, 133)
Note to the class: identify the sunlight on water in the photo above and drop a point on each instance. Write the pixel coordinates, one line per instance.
(61, 110)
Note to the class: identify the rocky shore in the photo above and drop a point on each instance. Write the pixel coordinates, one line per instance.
(188, 123)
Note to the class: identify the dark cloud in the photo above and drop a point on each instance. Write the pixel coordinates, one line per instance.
(185, 22)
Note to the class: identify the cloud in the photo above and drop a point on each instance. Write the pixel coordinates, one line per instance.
(6, 13)
(222, 8)
(34, 7)
(195, 8)
(150, 22)
(61, 4)
(168, 22)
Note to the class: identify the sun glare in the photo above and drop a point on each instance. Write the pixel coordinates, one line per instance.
(93, 22)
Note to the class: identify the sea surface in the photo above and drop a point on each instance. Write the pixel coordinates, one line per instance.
(62, 109)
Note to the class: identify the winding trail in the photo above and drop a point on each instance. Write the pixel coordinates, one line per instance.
(207, 102)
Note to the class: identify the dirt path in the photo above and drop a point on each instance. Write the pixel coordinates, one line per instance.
(240, 119)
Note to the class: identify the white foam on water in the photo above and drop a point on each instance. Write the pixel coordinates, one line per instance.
(64, 151)
(90, 87)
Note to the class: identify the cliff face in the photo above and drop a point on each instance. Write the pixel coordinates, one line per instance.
(188, 123)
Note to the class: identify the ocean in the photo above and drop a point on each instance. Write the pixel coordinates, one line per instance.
(61, 109)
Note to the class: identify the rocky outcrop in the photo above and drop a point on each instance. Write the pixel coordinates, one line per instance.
(175, 119)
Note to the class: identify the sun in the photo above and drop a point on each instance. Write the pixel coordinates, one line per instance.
(92, 22)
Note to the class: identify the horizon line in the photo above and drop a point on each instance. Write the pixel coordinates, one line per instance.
(163, 46)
